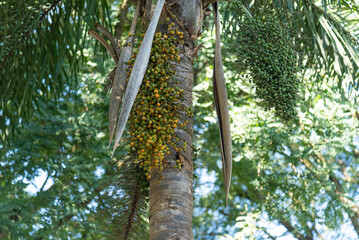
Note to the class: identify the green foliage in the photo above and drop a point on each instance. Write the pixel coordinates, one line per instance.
(267, 52)
(301, 177)
(63, 142)
(63, 151)
(41, 48)
(273, 185)
(290, 175)
(323, 40)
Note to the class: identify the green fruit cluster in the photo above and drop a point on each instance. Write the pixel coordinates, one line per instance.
(155, 113)
(266, 49)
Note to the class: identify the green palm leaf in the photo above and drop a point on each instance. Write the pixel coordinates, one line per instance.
(40, 40)
(320, 36)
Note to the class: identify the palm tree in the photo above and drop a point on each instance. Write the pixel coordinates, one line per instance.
(35, 55)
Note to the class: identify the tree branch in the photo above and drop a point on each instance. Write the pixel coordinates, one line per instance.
(206, 3)
(284, 222)
(353, 210)
(293, 230)
(315, 230)
(43, 185)
(121, 17)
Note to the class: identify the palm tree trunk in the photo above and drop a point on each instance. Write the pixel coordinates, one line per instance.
(171, 200)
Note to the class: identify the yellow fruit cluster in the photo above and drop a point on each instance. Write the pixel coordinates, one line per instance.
(155, 113)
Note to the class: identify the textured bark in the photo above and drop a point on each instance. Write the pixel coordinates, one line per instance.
(171, 200)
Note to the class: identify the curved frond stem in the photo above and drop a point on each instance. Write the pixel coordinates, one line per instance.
(109, 36)
(104, 43)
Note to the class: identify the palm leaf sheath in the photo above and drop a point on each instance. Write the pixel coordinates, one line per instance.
(221, 103)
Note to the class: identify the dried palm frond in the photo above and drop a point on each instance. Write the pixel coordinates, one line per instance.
(221, 103)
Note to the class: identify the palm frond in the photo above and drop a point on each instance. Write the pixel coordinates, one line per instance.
(333, 44)
(322, 39)
(137, 73)
(119, 82)
(40, 51)
(123, 205)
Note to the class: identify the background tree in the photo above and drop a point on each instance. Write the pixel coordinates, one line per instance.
(315, 203)
(258, 182)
